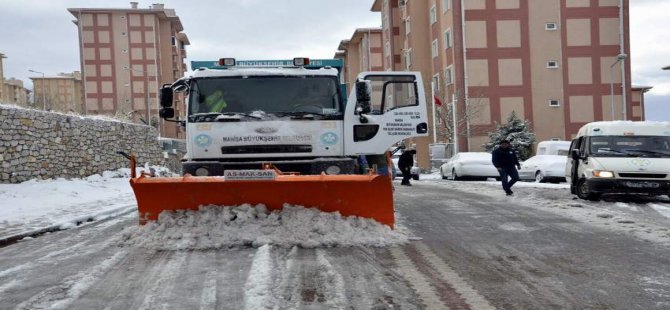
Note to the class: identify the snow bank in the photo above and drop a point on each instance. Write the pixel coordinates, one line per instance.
(38, 204)
(215, 227)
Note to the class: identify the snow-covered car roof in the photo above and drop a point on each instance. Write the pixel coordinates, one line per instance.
(291, 71)
(474, 155)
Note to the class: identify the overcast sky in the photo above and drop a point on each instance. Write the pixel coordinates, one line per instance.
(40, 35)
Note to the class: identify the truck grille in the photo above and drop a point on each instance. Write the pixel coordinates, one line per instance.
(264, 149)
(643, 175)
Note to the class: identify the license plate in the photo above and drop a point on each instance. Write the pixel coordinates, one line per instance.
(249, 175)
(643, 184)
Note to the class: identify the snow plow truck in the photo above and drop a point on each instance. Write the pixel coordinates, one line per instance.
(284, 132)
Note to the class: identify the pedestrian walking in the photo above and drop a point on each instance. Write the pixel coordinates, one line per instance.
(505, 160)
(405, 163)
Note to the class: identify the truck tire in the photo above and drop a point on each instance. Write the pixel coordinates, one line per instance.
(539, 177)
(455, 176)
(584, 192)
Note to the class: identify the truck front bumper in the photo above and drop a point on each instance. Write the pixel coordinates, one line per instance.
(629, 186)
(302, 166)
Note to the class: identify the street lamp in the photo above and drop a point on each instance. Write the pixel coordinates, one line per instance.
(44, 102)
(619, 58)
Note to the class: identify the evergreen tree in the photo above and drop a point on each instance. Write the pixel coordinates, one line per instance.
(517, 132)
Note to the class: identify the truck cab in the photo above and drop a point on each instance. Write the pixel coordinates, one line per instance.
(293, 115)
(620, 158)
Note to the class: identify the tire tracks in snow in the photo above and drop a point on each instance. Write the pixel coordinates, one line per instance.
(73, 287)
(436, 283)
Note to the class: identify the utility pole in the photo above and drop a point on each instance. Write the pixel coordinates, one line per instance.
(619, 58)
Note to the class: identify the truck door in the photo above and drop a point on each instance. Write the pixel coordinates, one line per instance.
(396, 111)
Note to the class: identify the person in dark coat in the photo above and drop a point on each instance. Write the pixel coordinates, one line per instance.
(405, 163)
(505, 160)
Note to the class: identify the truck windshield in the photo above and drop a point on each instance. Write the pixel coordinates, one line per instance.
(278, 96)
(627, 146)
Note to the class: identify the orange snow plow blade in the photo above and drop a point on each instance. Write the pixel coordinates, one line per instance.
(368, 196)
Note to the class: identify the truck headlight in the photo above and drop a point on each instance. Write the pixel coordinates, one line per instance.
(202, 172)
(333, 170)
(603, 174)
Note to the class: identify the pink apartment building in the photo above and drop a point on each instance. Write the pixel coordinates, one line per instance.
(126, 55)
(555, 63)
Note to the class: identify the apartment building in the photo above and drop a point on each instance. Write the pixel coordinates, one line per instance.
(557, 63)
(61, 93)
(13, 92)
(126, 55)
(362, 52)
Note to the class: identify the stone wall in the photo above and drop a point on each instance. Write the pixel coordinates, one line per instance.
(38, 144)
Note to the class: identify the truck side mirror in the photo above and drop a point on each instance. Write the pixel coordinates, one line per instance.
(166, 112)
(363, 91)
(166, 96)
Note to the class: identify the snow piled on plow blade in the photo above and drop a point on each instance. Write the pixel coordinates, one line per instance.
(214, 227)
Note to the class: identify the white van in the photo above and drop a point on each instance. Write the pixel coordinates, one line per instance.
(553, 148)
(620, 157)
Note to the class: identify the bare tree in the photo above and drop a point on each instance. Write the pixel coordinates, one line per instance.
(445, 117)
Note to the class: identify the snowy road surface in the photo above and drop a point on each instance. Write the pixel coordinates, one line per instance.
(474, 249)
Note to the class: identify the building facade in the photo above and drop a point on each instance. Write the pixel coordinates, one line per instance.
(126, 55)
(363, 52)
(13, 92)
(61, 93)
(557, 63)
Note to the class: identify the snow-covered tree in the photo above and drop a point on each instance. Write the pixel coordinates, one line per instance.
(517, 132)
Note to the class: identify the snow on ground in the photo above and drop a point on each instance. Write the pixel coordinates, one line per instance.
(64, 203)
(215, 227)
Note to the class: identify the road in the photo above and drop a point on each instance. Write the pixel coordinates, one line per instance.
(471, 248)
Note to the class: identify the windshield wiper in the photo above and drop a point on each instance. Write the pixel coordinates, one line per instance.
(240, 114)
(215, 116)
(601, 151)
(650, 152)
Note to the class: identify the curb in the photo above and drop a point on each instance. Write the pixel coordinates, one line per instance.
(78, 222)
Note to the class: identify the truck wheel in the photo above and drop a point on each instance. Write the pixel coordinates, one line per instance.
(454, 176)
(539, 177)
(584, 192)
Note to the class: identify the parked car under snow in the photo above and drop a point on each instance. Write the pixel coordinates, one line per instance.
(544, 168)
(469, 165)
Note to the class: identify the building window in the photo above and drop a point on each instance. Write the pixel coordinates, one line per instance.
(408, 25)
(174, 41)
(408, 59)
(433, 15)
(552, 64)
(447, 39)
(550, 26)
(446, 5)
(433, 49)
(436, 82)
(448, 76)
(554, 103)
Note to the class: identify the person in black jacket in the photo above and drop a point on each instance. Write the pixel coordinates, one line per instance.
(504, 159)
(405, 163)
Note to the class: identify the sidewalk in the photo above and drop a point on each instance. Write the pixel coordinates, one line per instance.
(39, 206)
